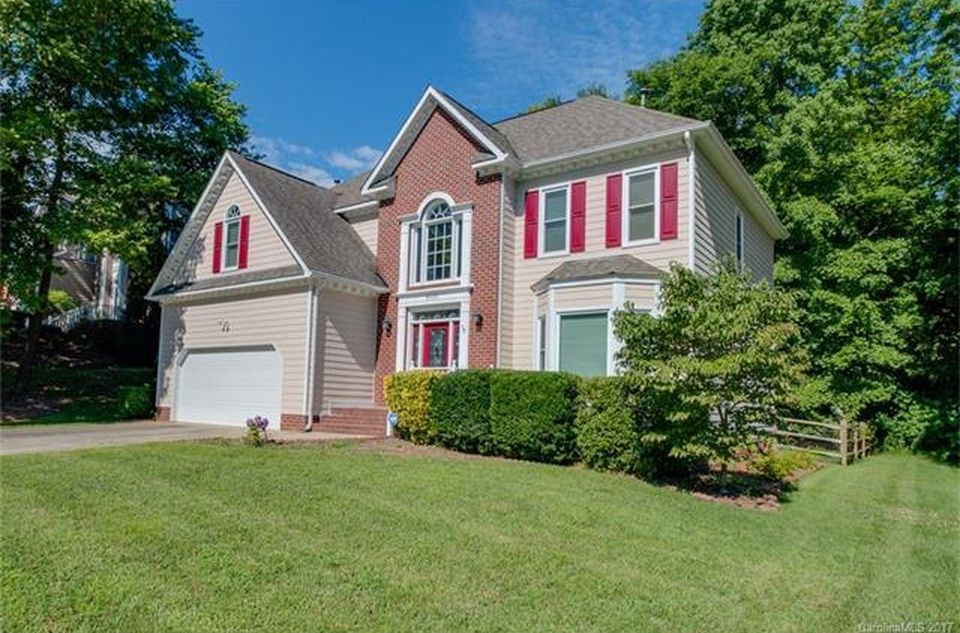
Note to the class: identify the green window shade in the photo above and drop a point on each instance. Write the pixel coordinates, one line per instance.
(583, 344)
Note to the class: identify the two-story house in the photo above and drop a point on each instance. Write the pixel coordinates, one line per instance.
(470, 244)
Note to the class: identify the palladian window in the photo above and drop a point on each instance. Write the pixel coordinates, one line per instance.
(435, 245)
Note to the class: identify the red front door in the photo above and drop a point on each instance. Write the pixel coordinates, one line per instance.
(436, 344)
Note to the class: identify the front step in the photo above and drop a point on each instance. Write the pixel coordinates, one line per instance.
(366, 422)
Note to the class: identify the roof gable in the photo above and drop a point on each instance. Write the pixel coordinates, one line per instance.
(300, 212)
(494, 143)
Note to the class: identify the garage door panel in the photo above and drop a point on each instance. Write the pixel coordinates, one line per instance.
(227, 386)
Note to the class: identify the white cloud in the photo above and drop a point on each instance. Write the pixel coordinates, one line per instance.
(308, 163)
(525, 50)
(355, 160)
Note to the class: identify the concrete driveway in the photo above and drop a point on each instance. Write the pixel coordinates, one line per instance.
(39, 438)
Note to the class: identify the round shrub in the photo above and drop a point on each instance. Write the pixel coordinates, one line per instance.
(607, 437)
(460, 410)
(532, 414)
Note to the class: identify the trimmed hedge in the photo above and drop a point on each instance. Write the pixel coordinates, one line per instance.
(532, 415)
(408, 395)
(460, 410)
(607, 435)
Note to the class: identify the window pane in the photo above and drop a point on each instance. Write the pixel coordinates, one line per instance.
(555, 205)
(554, 236)
(583, 344)
(641, 223)
(641, 189)
(436, 340)
(439, 250)
(542, 352)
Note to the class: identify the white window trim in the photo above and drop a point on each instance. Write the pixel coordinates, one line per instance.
(223, 251)
(542, 220)
(461, 215)
(611, 339)
(625, 205)
(541, 342)
(439, 299)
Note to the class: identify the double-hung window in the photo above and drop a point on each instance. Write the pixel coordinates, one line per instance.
(231, 238)
(641, 216)
(556, 216)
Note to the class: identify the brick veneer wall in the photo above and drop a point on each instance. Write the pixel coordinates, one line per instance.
(163, 414)
(440, 160)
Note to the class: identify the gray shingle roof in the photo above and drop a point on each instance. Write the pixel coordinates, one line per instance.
(581, 124)
(348, 193)
(233, 279)
(615, 266)
(303, 211)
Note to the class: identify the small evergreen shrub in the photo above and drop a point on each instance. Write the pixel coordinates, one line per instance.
(460, 410)
(408, 395)
(532, 415)
(135, 401)
(607, 437)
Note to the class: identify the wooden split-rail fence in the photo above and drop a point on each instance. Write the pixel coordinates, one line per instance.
(840, 440)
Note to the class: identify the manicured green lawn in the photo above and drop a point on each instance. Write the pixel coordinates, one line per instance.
(217, 537)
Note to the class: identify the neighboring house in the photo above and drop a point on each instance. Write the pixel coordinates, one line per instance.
(469, 244)
(96, 283)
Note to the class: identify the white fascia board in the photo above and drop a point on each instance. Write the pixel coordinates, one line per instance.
(266, 212)
(740, 181)
(181, 297)
(357, 207)
(430, 92)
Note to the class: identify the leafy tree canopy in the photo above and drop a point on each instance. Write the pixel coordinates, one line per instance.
(846, 113)
(721, 355)
(112, 122)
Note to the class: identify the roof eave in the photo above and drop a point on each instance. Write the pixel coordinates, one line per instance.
(740, 180)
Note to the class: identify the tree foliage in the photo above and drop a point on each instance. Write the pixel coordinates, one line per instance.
(723, 352)
(112, 122)
(846, 113)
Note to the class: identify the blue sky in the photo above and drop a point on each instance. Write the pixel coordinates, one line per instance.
(328, 84)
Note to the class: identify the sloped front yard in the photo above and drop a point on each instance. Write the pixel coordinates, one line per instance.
(215, 537)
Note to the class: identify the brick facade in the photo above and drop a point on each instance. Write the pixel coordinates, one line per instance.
(440, 160)
(163, 414)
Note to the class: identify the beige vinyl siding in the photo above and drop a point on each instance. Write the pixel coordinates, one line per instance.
(368, 230)
(757, 249)
(716, 229)
(278, 319)
(346, 352)
(583, 297)
(508, 304)
(528, 271)
(642, 296)
(266, 249)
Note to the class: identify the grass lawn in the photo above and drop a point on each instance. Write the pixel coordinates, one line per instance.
(217, 537)
(64, 395)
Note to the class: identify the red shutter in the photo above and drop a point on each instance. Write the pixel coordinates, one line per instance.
(578, 216)
(530, 225)
(614, 195)
(217, 245)
(244, 241)
(668, 201)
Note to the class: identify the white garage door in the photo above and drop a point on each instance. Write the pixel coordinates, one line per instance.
(229, 386)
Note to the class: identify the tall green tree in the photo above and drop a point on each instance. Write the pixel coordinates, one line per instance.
(112, 121)
(847, 115)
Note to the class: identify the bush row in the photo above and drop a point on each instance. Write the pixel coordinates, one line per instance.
(525, 415)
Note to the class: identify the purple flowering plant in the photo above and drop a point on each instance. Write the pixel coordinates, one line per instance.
(256, 430)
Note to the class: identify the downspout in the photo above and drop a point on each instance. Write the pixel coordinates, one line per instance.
(311, 356)
(691, 196)
(500, 273)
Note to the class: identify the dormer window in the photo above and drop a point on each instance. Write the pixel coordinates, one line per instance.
(435, 244)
